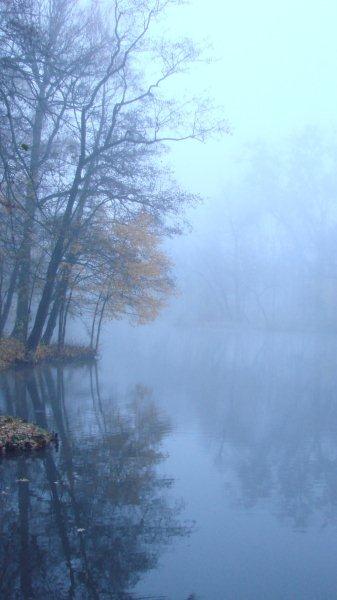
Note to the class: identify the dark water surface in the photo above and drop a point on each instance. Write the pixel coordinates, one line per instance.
(193, 463)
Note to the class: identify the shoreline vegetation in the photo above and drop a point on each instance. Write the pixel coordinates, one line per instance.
(17, 435)
(14, 354)
(87, 199)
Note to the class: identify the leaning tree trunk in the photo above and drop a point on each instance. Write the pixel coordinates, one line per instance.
(100, 322)
(58, 252)
(94, 322)
(60, 293)
(53, 266)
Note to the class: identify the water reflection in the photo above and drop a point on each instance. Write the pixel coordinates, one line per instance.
(87, 520)
(251, 441)
(274, 424)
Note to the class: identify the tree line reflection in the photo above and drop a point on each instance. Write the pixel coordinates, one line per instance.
(275, 429)
(86, 520)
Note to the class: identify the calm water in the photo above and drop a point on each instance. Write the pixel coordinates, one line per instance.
(193, 463)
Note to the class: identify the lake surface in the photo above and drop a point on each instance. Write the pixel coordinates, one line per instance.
(193, 463)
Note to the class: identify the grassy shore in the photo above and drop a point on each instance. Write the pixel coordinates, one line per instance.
(13, 354)
(17, 435)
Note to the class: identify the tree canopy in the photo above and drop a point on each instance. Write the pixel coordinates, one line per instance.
(85, 116)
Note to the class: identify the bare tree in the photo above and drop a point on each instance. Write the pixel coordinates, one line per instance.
(86, 113)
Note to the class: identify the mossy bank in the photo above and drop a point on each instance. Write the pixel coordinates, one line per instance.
(16, 435)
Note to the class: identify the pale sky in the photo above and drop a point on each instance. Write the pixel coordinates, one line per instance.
(276, 72)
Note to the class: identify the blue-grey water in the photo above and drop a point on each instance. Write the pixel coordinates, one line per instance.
(193, 463)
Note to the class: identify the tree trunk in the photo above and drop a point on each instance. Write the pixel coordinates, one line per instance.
(65, 317)
(100, 323)
(54, 263)
(94, 323)
(20, 330)
(61, 319)
(60, 291)
(9, 297)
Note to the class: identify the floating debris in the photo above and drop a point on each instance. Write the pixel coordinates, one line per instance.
(18, 435)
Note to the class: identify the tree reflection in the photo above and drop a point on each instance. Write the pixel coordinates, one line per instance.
(275, 422)
(88, 520)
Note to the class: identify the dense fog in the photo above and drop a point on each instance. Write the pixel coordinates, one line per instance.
(262, 251)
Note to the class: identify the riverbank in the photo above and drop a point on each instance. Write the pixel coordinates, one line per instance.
(13, 354)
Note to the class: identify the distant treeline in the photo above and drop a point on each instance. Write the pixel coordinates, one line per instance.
(267, 254)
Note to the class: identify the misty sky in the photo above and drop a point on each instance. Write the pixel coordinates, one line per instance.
(275, 73)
